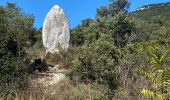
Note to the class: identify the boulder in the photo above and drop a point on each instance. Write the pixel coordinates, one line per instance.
(56, 32)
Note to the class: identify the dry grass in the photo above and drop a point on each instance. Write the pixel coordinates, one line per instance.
(65, 90)
(35, 53)
(63, 59)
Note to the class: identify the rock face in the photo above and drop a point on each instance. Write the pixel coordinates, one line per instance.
(56, 33)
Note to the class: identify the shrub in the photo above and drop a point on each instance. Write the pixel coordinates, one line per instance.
(95, 62)
(13, 64)
(158, 71)
(13, 59)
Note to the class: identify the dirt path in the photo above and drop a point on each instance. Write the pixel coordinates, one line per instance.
(49, 78)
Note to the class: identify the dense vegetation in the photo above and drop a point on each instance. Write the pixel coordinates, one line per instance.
(16, 35)
(117, 55)
(153, 12)
(138, 63)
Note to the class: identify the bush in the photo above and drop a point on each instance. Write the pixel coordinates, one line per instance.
(13, 58)
(96, 62)
(13, 64)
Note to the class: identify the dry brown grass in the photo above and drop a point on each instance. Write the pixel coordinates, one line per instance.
(35, 53)
(64, 90)
(63, 59)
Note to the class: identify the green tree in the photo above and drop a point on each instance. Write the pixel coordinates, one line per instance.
(120, 27)
(15, 28)
(96, 57)
(78, 34)
(96, 61)
(113, 8)
(20, 25)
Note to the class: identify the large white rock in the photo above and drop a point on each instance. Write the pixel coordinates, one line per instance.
(56, 32)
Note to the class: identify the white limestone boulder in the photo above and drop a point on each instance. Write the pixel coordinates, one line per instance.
(55, 32)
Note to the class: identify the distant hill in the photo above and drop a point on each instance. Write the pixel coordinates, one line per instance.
(153, 12)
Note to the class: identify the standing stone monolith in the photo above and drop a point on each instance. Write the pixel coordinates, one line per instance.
(56, 32)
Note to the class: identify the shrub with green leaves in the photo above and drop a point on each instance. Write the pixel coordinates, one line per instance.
(158, 71)
(95, 62)
(13, 41)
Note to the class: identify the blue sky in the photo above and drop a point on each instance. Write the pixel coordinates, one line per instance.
(75, 10)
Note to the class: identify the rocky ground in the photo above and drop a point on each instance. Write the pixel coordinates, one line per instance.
(48, 78)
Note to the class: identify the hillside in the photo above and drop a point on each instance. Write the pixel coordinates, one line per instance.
(110, 57)
(153, 12)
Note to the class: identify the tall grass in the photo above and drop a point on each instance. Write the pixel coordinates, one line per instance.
(64, 90)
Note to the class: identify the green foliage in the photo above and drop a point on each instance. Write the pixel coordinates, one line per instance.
(147, 52)
(155, 13)
(37, 37)
(120, 27)
(107, 51)
(158, 73)
(97, 51)
(14, 35)
(19, 25)
(97, 40)
(151, 94)
(113, 8)
(78, 35)
(95, 62)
